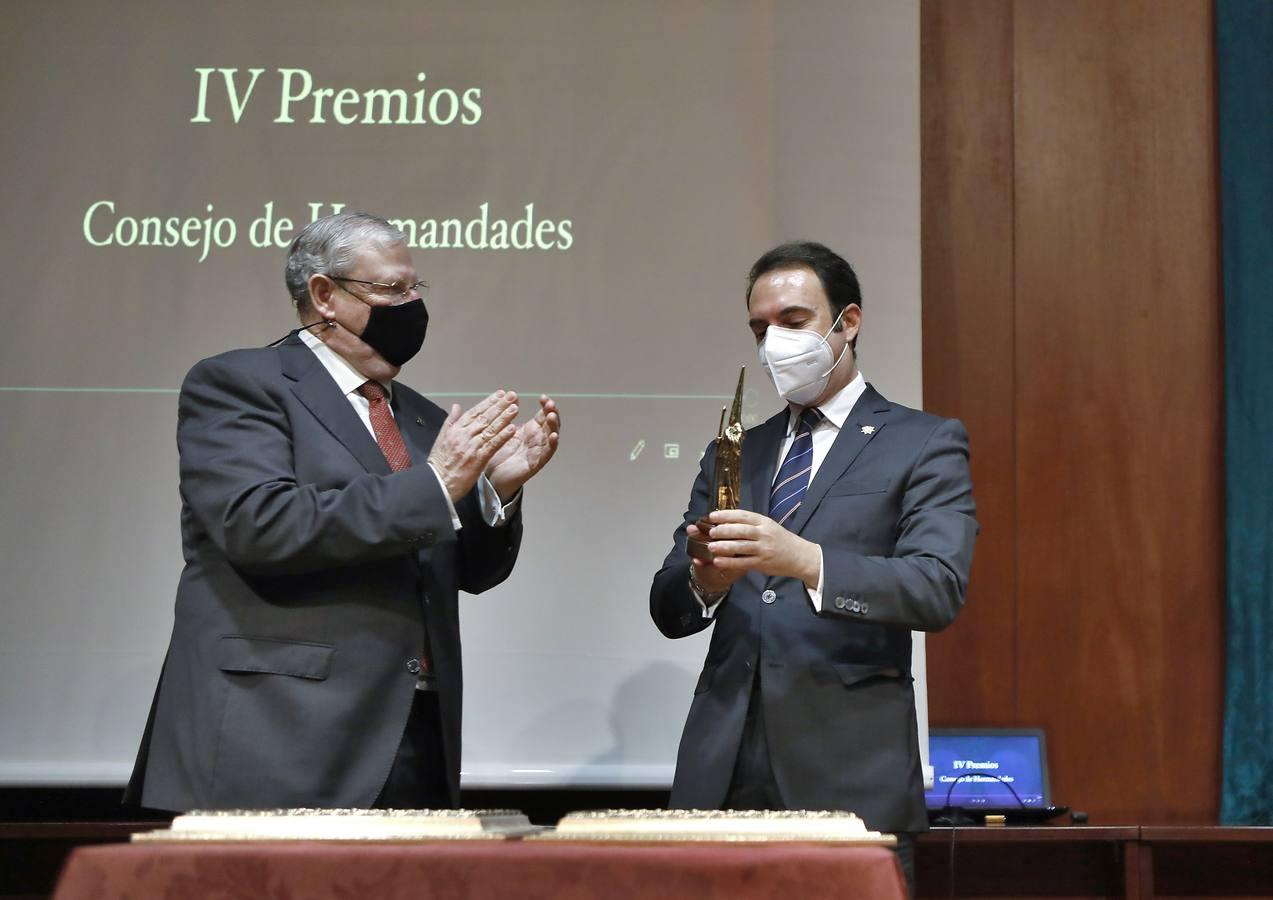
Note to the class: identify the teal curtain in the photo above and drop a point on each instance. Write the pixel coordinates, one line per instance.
(1244, 64)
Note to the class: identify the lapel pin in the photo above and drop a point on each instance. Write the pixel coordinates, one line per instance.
(419, 421)
(868, 429)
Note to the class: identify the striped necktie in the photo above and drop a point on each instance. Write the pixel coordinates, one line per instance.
(792, 481)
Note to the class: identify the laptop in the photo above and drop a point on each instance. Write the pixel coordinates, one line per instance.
(979, 772)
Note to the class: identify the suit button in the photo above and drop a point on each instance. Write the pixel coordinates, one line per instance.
(768, 596)
(413, 666)
(865, 608)
(855, 606)
(839, 603)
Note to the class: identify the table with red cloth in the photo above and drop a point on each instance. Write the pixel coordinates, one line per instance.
(478, 869)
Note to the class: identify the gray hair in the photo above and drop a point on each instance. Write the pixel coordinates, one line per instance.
(328, 246)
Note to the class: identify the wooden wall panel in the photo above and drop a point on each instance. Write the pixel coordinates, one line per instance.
(966, 176)
(1118, 454)
(1116, 467)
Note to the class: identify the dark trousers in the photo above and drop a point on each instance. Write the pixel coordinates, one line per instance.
(418, 777)
(753, 785)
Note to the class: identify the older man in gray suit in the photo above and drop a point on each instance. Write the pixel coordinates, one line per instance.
(330, 516)
(856, 527)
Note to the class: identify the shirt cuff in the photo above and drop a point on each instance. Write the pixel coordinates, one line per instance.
(709, 602)
(494, 512)
(815, 594)
(455, 517)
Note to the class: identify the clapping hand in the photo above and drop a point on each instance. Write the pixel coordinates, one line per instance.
(469, 440)
(527, 451)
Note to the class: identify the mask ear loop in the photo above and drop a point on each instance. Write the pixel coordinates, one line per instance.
(842, 352)
(835, 323)
(326, 323)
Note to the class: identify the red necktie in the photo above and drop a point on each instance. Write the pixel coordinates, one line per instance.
(386, 429)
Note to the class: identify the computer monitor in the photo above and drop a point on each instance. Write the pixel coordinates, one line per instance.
(989, 770)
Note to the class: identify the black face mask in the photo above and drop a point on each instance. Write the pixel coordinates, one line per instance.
(397, 332)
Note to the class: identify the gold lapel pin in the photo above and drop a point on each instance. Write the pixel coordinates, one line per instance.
(868, 429)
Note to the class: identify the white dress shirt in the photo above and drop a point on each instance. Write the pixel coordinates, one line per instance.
(835, 411)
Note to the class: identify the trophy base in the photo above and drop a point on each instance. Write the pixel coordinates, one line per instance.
(697, 548)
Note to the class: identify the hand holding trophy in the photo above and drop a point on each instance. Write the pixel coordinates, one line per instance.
(728, 473)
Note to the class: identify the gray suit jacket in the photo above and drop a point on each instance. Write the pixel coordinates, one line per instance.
(311, 574)
(894, 515)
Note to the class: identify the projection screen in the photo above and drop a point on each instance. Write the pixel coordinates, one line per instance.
(585, 185)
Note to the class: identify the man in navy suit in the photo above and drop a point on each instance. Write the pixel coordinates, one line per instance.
(330, 516)
(856, 527)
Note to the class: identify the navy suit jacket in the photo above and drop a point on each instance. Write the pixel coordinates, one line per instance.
(311, 575)
(891, 506)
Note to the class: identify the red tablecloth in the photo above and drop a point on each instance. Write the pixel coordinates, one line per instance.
(475, 870)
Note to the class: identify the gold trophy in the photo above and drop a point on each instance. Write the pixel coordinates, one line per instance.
(727, 478)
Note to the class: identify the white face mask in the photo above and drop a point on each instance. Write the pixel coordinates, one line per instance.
(799, 361)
